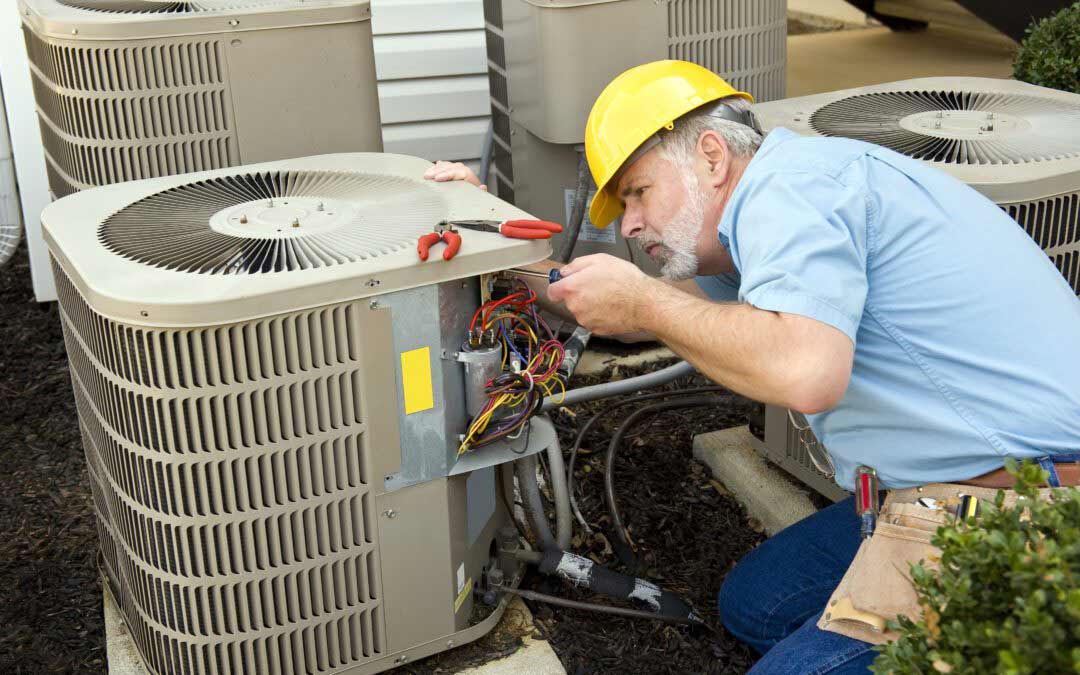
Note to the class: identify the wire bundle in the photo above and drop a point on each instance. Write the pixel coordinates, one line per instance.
(534, 356)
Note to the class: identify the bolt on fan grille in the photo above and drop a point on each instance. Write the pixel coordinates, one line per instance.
(174, 6)
(957, 127)
(199, 227)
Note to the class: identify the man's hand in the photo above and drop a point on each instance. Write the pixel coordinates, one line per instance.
(444, 171)
(605, 294)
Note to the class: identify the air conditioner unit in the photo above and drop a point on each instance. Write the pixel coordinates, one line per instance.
(547, 65)
(1016, 143)
(270, 395)
(134, 89)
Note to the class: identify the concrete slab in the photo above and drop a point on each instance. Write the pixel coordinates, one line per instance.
(766, 492)
(823, 62)
(831, 10)
(535, 657)
(120, 651)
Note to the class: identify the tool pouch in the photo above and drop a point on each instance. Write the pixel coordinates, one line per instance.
(877, 587)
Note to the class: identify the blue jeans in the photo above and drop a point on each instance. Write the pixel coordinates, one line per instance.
(773, 598)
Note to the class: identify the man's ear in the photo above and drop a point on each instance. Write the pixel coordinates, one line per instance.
(713, 149)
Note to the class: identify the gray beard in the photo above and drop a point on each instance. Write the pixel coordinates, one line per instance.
(678, 253)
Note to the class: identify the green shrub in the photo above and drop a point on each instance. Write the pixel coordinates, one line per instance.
(1007, 596)
(1049, 55)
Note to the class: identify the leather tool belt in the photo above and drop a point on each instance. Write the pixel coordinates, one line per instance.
(877, 586)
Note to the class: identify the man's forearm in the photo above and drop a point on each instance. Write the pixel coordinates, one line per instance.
(754, 352)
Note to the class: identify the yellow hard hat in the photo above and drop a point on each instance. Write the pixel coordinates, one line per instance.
(634, 107)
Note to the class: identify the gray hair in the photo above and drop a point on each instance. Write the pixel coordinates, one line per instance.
(680, 144)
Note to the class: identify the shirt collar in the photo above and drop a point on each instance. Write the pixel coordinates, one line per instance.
(773, 139)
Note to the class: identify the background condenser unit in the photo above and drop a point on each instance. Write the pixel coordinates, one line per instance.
(134, 89)
(1016, 143)
(548, 60)
(271, 401)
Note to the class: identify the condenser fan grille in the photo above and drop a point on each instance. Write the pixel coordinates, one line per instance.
(274, 222)
(957, 127)
(175, 7)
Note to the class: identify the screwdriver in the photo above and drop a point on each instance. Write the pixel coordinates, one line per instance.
(866, 499)
(552, 275)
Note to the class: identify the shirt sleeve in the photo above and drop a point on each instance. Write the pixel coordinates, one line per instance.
(800, 242)
(721, 287)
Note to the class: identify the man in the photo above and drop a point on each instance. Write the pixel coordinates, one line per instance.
(918, 328)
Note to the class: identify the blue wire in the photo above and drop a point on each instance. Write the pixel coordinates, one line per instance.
(502, 327)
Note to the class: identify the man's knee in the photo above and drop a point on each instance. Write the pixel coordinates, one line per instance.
(747, 601)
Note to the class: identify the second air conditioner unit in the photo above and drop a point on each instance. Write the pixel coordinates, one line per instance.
(1016, 143)
(134, 89)
(549, 60)
(270, 401)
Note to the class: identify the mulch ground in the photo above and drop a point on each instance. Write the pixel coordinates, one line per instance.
(687, 529)
(688, 532)
(51, 608)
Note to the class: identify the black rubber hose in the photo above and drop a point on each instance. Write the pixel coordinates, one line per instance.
(613, 448)
(577, 213)
(592, 607)
(533, 503)
(583, 572)
(611, 408)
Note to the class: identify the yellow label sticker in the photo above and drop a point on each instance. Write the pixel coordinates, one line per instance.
(416, 380)
(462, 595)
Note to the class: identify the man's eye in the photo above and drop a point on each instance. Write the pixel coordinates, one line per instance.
(640, 191)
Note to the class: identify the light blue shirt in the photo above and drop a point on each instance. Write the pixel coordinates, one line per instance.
(967, 338)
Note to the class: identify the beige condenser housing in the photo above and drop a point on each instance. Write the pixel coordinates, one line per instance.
(271, 405)
(134, 89)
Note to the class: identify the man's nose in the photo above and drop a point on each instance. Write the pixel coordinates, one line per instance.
(632, 224)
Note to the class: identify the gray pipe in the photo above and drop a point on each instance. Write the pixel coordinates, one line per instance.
(577, 213)
(609, 389)
(532, 502)
(563, 523)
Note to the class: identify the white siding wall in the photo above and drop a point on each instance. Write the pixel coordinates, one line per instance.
(432, 70)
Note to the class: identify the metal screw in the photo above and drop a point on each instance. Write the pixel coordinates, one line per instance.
(243, 220)
(296, 222)
(234, 22)
(940, 114)
(449, 643)
(989, 116)
(374, 305)
(320, 207)
(74, 31)
(402, 659)
(937, 125)
(270, 203)
(372, 283)
(390, 513)
(144, 313)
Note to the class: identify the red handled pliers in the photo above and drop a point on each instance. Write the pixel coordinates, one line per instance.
(443, 232)
(513, 229)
